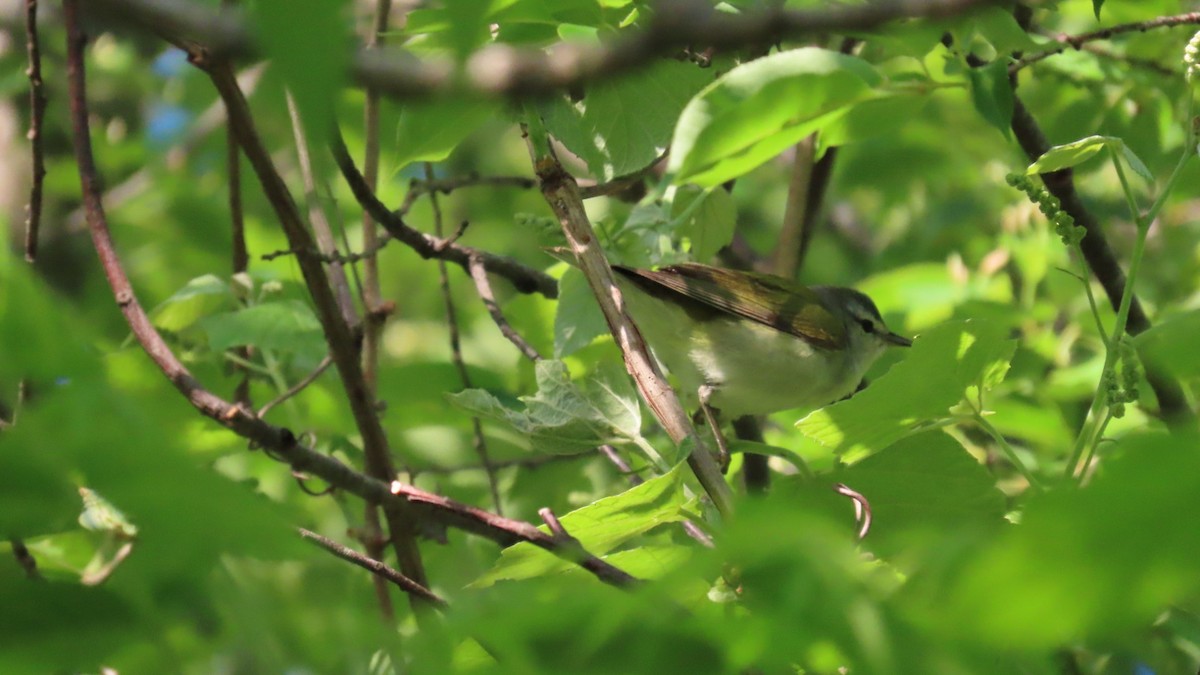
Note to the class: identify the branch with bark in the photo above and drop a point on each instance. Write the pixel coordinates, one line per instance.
(502, 71)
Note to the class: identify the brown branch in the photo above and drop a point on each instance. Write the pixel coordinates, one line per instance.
(1077, 41)
(418, 188)
(1099, 256)
(279, 442)
(376, 567)
(508, 532)
(37, 112)
(525, 279)
(460, 364)
(24, 558)
(503, 71)
(338, 334)
(484, 288)
(562, 194)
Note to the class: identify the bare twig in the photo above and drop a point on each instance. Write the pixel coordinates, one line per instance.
(24, 558)
(562, 194)
(507, 531)
(1078, 41)
(503, 71)
(484, 288)
(371, 294)
(419, 188)
(37, 111)
(298, 387)
(525, 279)
(99, 576)
(317, 219)
(460, 364)
(376, 567)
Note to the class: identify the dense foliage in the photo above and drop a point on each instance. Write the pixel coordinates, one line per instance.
(1031, 462)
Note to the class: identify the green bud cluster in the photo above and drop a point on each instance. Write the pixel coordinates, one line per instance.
(1064, 224)
(1123, 388)
(1191, 57)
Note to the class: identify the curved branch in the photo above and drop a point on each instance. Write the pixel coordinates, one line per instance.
(526, 279)
(1077, 41)
(502, 71)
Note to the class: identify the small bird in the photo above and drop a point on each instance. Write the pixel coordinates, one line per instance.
(747, 343)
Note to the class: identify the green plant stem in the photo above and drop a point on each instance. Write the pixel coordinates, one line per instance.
(1095, 443)
(1007, 449)
(1111, 346)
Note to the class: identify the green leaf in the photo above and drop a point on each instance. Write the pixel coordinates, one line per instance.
(756, 110)
(600, 527)
(921, 486)
(645, 562)
(577, 318)
(1096, 5)
(61, 626)
(1087, 563)
(938, 369)
(562, 418)
(1072, 154)
(288, 325)
(707, 225)
(1171, 345)
(304, 43)
(991, 92)
(198, 298)
(621, 126)
(430, 131)
(876, 117)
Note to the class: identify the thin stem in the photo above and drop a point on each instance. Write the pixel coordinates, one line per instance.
(37, 112)
(376, 567)
(1006, 448)
(298, 387)
(460, 364)
(372, 297)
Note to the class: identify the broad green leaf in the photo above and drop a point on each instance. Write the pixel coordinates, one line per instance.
(199, 298)
(938, 369)
(621, 126)
(756, 110)
(873, 118)
(1096, 5)
(921, 486)
(992, 94)
(38, 341)
(577, 318)
(304, 43)
(600, 527)
(1087, 563)
(563, 418)
(429, 131)
(287, 325)
(58, 626)
(1072, 154)
(1001, 30)
(1171, 345)
(706, 220)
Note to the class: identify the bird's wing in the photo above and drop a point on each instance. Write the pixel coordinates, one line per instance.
(770, 300)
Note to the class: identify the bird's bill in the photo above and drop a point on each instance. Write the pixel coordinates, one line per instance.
(898, 340)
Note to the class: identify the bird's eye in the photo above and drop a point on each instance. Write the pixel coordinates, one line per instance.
(867, 326)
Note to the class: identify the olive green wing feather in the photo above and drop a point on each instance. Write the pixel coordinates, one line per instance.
(769, 300)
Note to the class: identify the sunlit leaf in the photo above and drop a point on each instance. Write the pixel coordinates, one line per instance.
(599, 527)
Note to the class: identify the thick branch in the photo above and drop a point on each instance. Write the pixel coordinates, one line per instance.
(562, 194)
(503, 71)
(526, 279)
